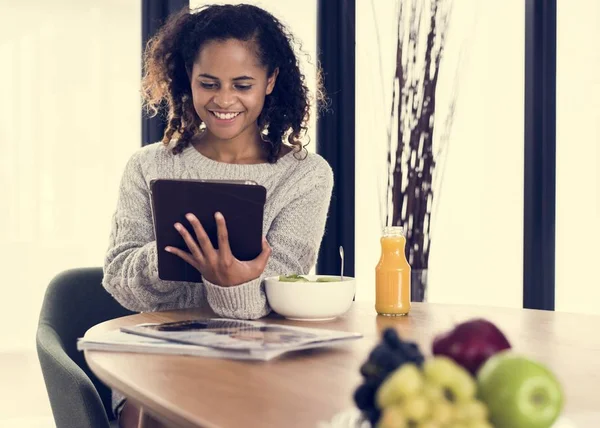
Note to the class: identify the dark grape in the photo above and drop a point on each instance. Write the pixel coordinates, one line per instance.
(412, 353)
(370, 370)
(390, 336)
(385, 358)
(375, 379)
(372, 415)
(364, 396)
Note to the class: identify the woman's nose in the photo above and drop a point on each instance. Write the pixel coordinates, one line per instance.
(224, 99)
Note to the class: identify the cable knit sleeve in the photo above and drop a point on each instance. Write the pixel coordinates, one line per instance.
(295, 236)
(131, 263)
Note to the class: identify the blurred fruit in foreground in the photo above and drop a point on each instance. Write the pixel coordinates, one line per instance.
(390, 354)
(392, 417)
(440, 395)
(404, 383)
(456, 383)
(402, 389)
(471, 343)
(519, 392)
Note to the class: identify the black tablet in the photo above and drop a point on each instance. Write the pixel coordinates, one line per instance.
(241, 203)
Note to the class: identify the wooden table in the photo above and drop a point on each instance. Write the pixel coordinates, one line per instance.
(301, 389)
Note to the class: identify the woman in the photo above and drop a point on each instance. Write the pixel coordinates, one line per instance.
(237, 109)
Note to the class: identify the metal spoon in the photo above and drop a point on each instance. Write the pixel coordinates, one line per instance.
(342, 257)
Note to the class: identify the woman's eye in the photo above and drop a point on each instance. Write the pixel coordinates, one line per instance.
(207, 85)
(243, 87)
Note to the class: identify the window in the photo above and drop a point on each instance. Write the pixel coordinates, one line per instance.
(476, 250)
(577, 157)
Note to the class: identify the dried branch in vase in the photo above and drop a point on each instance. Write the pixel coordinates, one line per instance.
(422, 29)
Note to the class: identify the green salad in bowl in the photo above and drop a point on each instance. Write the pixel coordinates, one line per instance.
(310, 297)
(300, 278)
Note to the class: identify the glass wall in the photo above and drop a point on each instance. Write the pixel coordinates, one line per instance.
(578, 156)
(476, 252)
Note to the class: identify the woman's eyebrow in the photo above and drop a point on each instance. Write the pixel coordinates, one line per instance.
(235, 79)
(243, 78)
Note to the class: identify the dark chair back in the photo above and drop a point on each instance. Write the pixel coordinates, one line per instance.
(74, 302)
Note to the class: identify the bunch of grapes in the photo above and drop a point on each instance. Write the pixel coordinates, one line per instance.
(401, 389)
(384, 359)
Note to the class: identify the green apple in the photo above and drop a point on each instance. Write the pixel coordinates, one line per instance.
(519, 392)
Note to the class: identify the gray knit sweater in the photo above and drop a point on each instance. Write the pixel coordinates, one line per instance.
(298, 197)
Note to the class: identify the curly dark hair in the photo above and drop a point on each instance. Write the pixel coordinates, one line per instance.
(170, 54)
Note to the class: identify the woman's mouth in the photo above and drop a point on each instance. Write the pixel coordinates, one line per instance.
(224, 118)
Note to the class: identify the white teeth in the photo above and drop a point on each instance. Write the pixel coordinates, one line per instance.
(225, 115)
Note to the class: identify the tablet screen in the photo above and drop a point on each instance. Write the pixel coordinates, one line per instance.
(240, 202)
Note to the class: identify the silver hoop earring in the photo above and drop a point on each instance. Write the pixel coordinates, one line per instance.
(202, 128)
(264, 136)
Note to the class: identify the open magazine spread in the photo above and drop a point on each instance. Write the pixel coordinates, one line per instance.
(215, 337)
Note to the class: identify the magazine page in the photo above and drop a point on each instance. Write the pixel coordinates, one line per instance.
(227, 334)
(119, 341)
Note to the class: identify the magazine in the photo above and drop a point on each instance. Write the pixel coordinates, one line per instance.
(215, 337)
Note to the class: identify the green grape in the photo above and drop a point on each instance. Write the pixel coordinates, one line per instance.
(479, 424)
(442, 412)
(429, 424)
(392, 417)
(404, 382)
(433, 393)
(457, 383)
(471, 411)
(416, 408)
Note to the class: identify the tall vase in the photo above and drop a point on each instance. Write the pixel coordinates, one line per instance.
(418, 285)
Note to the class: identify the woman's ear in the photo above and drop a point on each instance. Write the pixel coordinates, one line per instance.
(271, 81)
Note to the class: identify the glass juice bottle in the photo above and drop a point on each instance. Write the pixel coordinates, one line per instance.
(392, 275)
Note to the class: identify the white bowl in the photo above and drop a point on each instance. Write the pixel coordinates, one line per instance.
(310, 301)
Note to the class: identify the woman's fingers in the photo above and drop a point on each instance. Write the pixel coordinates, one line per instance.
(184, 255)
(225, 256)
(206, 246)
(190, 242)
(220, 265)
(263, 257)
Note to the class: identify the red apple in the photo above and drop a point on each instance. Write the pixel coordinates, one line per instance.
(471, 343)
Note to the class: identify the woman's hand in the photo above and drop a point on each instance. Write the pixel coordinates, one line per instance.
(219, 267)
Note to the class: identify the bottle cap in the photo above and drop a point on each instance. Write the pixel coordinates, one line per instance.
(393, 231)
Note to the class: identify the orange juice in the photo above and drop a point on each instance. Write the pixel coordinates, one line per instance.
(392, 275)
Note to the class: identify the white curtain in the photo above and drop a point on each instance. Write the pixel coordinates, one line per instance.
(69, 120)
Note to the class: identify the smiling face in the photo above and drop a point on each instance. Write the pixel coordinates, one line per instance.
(229, 86)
